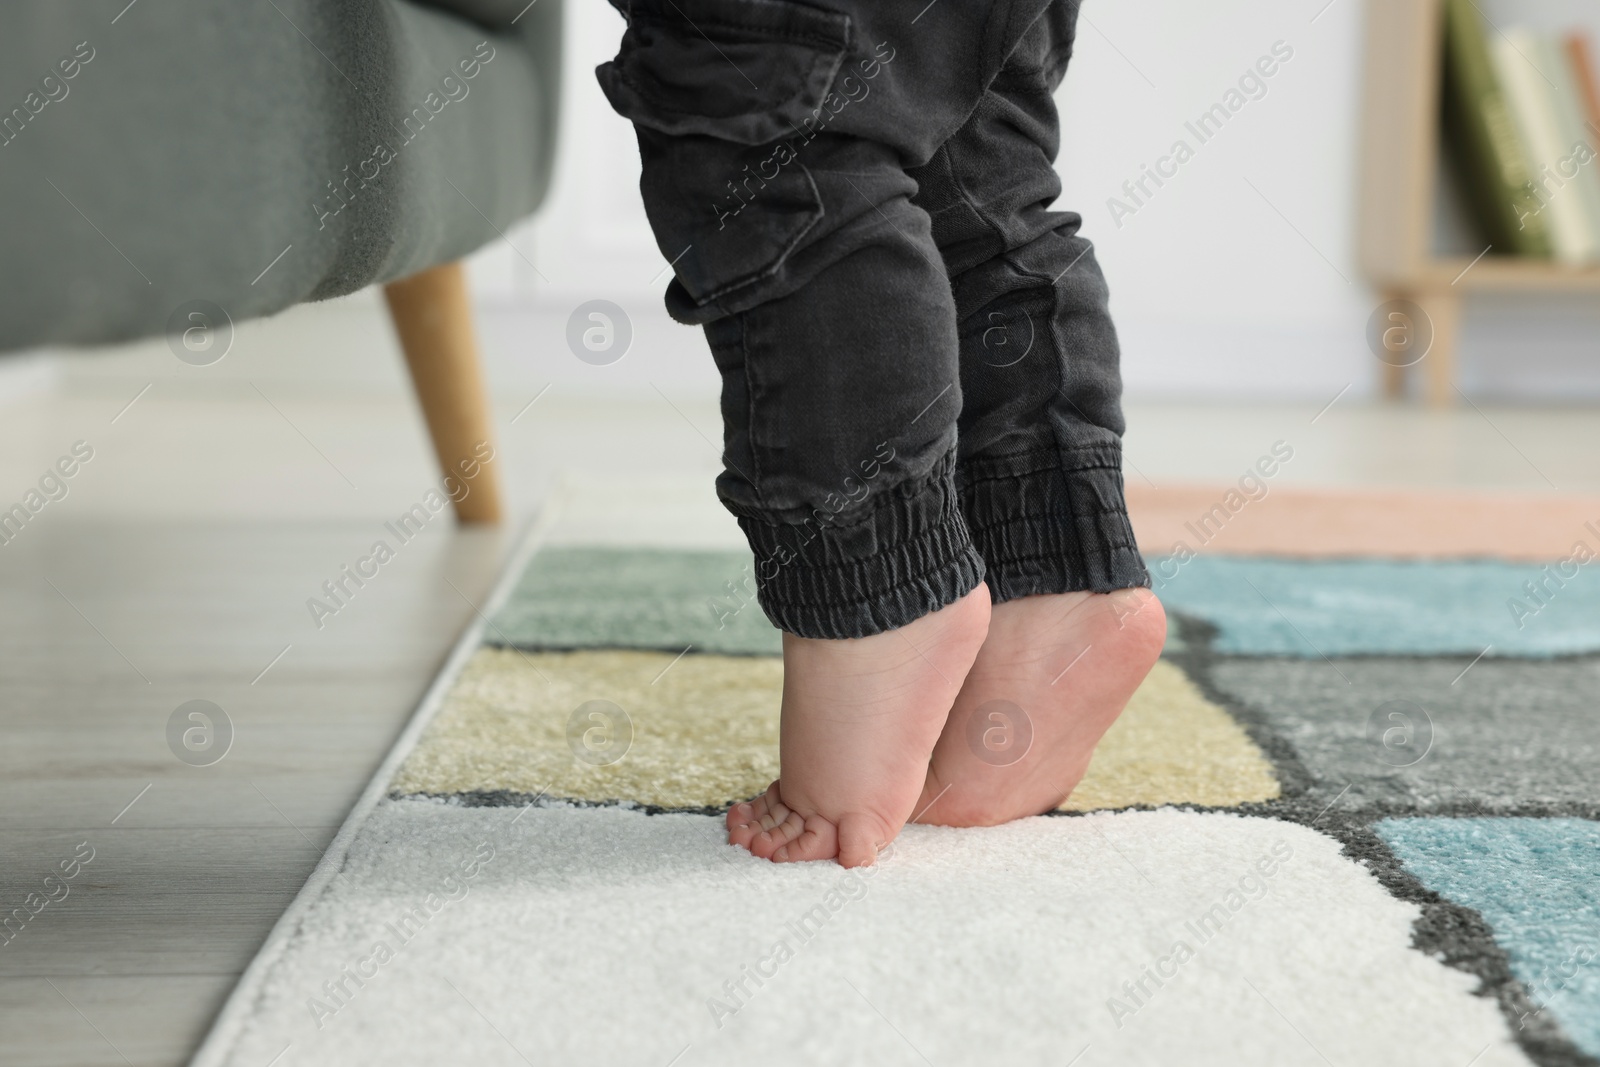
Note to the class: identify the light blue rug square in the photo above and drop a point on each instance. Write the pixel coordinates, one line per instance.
(1537, 883)
(1277, 607)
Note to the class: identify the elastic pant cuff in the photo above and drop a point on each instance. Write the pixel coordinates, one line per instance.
(907, 555)
(1049, 522)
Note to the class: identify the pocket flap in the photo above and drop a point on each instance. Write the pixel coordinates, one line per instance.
(747, 71)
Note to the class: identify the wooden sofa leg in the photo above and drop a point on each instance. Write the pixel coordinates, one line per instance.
(433, 318)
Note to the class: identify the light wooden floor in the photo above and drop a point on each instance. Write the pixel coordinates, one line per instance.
(178, 568)
(132, 964)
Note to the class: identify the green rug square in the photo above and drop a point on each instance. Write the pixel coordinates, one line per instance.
(646, 598)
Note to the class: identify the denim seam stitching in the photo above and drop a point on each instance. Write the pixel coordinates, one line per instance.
(1078, 562)
(777, 264)
(750, 410)
(960, 186)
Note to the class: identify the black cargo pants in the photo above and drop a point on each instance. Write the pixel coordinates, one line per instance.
(920, 376)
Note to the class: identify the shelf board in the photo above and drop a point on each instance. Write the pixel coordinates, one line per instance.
(1500, 273)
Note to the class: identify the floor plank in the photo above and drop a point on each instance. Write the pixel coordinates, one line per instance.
(110, 626)
(83, 1021)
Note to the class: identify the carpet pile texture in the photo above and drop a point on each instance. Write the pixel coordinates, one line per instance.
(1350, 818)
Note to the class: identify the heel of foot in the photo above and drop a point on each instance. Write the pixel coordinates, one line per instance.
(1140, 616)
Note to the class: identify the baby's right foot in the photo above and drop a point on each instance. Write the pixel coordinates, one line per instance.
(1053, 674)
(860, 719)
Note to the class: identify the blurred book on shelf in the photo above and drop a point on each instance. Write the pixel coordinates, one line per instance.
(1521, 114)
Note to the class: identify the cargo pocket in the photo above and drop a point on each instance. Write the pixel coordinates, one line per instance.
(749, 71)
(725, 95)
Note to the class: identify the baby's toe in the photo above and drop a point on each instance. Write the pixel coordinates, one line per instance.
(819, 840)
(769, 840)
(861, 838)
(740, 814)
(752, 817)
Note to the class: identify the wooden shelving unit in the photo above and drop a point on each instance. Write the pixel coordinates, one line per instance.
(1400, 150)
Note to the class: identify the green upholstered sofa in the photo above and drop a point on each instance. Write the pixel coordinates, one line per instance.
(254, 154)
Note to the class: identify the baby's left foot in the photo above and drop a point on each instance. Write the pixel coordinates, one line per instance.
(1054, 673)
(860, 718)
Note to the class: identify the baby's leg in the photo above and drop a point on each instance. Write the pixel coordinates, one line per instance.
(1040, 458)
(774, 138)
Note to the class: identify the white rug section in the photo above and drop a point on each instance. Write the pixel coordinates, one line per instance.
(604, 936)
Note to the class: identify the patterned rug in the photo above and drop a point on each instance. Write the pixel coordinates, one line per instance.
(1350, 818)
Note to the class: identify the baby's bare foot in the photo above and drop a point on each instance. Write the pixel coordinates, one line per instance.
(860, 718)
(1054, 673)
